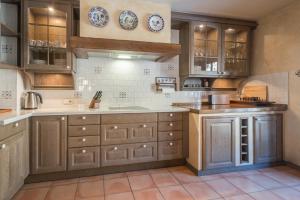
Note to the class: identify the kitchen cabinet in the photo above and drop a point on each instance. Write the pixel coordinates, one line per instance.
(214, 50)
(48, 144)
(219, 142)
(47, 28)
(268, 138)
(14, 166)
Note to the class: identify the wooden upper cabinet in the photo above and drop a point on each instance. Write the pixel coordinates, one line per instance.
(235, 50)
(48, 144)
(268, 138)
(47, 31)
(219, 142)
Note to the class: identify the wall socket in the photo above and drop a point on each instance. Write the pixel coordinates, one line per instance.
(6, 94)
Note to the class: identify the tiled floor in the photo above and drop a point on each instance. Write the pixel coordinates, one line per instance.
(177, 183)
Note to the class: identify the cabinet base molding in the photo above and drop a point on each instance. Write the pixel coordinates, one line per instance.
(103, 171)
(235, 169)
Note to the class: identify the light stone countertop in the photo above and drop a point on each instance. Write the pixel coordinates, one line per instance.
(10, 117)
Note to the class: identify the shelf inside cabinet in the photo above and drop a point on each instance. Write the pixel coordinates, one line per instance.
(8, 32)
(8, 66)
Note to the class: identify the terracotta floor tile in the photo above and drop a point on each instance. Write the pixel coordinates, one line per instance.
(185, 176)
(240, 197)
(65, 182)
(201, 191)
(164, 179)
(177, 168)
(112, 176)
(245, 184)
(250, 172)
(175, 193)
(91, 178)
(141, 182)
(33, 194)
(137, 173)
(121, 196)
(224, 188)
(287, 193)
(265, 195)
(37, 185)
(158, 171)
(284, 178)
(268, 169)
(62, 192)
(90, 189)
(283, 168)
(297, 188)
(91, 198)
(231, 174)
(264, 181)
(149, 194)
(210, 177)
(116, 185)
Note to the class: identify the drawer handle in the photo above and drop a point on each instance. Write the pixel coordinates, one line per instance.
(144, 126)
(83, 118)
(171, 144)
(16, 125)
(84, 128)
(171, 115)
(115, 127)
(83, 139)
(83, 151)
(3, 146)
(62, 119)
(115, 148)
(171, 134)
(144, 146)
(171, 124)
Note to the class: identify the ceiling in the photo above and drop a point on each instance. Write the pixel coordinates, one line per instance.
(242, 9)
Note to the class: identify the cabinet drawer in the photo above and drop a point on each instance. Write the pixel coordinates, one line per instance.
(115, 155)
(85, 141)
(169, 135)
(12, 129)
(170, 150)
(84, 130)
(167, 117)
(128, 133)
(170, 126)
(84, 119)
(144, 152)
(83, 158)
(128, 118)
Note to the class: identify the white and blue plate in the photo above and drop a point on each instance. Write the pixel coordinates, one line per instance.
(128, 20)
(156, 23)
(98, 16)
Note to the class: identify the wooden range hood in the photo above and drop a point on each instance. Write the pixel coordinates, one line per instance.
(83, 47)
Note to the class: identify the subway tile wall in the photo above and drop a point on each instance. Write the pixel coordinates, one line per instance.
(8, 88)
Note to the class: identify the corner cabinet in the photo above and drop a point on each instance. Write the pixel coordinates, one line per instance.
(214, 50)
(47, 29)
(48, 144)
(268, 138)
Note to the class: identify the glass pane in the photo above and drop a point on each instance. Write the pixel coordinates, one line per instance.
(229, 49)
(57, 17)
(200, 64)
(230, 35)
(242, 36)
(212, 49)
(38, 16)
(236, 66)
(212, 64)
(241, 51)
(57, 37)
(38, 55)
(39, 34)
(58, 56)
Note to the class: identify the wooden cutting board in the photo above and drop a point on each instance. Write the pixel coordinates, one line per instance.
(260, 91)
(4, 110)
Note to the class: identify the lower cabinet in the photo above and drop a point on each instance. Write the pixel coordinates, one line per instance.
(14, 165)
(168, 150)
(268, 138)
(83, 158)
(48, 144)
(219, 142)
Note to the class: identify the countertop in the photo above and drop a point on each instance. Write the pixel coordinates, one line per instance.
(13, 116)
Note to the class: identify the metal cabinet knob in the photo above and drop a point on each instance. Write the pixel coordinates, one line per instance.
(171, 115)
(3, 146)
(144, 126)
(83, 151)
(171, 134)
(68, 67)
(16, 125)
(115, 148)
(171, 124)
(115, 127)
(83, 118)
(144, 146)
(171, 144)
(84, 128)
(83, 139)
(62, 119)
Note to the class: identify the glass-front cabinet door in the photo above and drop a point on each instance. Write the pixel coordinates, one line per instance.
(205, 49)
(235, 47)
(48, 30)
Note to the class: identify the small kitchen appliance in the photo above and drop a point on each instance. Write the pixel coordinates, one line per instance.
(32, 100)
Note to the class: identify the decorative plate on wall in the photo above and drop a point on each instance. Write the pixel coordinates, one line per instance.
(156, 23)
(128, 20)
(98, 16)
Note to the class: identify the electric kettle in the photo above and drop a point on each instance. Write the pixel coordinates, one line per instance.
(32, 100)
